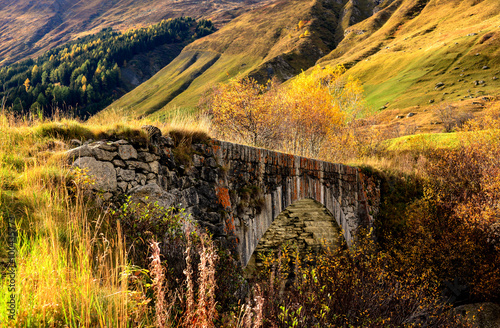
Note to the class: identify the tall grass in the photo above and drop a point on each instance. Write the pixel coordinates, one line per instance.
(67, 275)
(176, 120)
(72, 265)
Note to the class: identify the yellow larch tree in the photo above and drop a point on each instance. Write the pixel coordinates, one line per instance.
(27, 84)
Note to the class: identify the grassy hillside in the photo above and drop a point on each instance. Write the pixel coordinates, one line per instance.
(417, 52)
(280, 40)
(409, 54)
(30, 28)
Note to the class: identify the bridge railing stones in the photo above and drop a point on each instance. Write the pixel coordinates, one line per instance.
(212, 186)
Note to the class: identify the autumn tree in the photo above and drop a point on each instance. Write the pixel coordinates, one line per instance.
(296, 117)
(239, 111)
(35, 74)
(314, 106)
(27, 84)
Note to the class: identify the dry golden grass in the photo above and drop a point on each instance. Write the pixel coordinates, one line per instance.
(72, 270)
(177, 120)
(66, 275)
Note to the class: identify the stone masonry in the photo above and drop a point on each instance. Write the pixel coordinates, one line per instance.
(233, 191)
(306, 224)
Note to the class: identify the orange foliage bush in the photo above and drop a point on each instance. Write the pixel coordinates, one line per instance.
(350, 288)
(454, 230)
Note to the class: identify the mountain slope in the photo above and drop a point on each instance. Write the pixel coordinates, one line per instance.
(86, 75)
(280, 39)
(416, 52)
(29, 28)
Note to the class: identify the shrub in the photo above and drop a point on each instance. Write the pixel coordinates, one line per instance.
(452, 226)
(450, 118)
(451, 231)
(356, 288)
(194, 265)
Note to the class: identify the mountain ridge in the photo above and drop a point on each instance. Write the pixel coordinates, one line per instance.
(344, 33)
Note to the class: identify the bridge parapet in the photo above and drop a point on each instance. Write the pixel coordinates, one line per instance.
(232, 190)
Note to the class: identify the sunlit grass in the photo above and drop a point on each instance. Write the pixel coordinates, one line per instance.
(423, 141)
(67, 274)
(57, 280)
(57, 285)
(120, 120)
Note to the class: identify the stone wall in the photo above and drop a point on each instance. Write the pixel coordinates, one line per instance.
(118, 166)
(234, 191)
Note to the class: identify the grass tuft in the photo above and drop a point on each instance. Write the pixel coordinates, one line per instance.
(65, 130)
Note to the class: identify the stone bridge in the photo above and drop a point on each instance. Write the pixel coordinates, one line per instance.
(234, 191)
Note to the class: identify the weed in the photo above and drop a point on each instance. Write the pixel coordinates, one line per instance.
(251, 197)
(183, 141)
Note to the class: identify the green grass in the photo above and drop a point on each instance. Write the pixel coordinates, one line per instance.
(63, 130)
(412, 55)
(226, 66)
(426, 141)
(423, 141)
(387, 91)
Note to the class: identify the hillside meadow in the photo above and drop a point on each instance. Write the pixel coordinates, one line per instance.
(407, 54)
